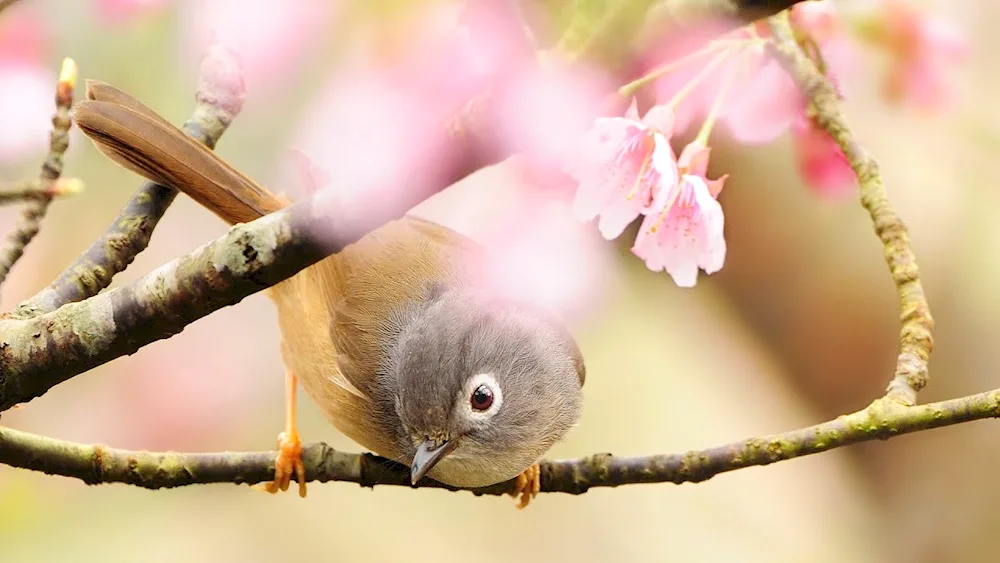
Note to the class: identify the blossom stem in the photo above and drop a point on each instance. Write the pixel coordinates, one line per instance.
(713, 113)
(698, 79)
(632, 87)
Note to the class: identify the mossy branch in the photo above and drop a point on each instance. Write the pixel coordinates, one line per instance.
(916, 339)
(93, 464)
(41, 352)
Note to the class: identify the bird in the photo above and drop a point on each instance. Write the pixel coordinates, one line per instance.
(398, 338)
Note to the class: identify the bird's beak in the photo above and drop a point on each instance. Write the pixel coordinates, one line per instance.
(429, 453)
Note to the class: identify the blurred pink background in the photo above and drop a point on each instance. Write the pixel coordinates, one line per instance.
(798, 327)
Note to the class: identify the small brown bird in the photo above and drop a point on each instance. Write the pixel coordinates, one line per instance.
(396, 337)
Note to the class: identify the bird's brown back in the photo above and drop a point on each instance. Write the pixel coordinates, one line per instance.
(337, 316)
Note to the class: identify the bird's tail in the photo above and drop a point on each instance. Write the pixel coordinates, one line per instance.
(136, 137)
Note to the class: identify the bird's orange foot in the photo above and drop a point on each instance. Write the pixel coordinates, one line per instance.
(288, 463)
(529, 483)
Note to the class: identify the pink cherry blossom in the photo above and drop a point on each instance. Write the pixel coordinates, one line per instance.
(674, 44)
(688, 233)
(820, 160)
(273, 39)
(688, 236)
(819, 18)
(27, 86)
(543, 109)
(626, 167)
(764, 100)
(539, 253)
(381, 123)
(764, 103)
(923, 49)
(694, 161)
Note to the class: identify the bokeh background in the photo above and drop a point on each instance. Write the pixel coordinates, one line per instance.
(799, 326)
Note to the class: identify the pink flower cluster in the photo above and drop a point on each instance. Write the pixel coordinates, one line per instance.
(626, 167)
(388, 123)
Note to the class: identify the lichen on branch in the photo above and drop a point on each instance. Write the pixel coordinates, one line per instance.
(916, 339)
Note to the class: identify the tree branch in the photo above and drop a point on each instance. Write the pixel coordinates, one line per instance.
(219, 99)
(917, 330)
(40, 352)
(35, 208)
(43, 351)
(34, 189)
(883, 419)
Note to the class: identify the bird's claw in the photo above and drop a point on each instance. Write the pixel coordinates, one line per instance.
(287, 463)
(528, 485)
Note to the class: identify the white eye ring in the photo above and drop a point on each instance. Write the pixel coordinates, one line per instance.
(475, 382)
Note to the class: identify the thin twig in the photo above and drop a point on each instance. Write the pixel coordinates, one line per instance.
(883, 419)
(34, 209)
(35, 189)
(219, 99)
(917, 330)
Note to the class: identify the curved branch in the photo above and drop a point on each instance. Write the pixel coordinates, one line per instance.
(916, 338)
(883, 419)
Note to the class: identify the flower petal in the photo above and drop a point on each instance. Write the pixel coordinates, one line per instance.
(688, 238)
(665, 165)
(615, 217)
(661, 118)
(821, 161)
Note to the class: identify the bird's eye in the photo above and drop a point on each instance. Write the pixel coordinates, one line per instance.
(482, 398)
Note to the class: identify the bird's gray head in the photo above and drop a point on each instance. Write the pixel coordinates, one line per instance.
(482, 387)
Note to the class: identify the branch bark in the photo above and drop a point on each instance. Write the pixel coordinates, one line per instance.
(916, 338)
(883, 419)
(43, 351)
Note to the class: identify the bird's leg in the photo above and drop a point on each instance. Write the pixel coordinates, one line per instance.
(528, 484)
(289, 458)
